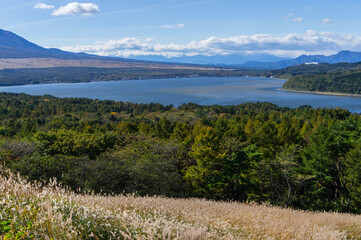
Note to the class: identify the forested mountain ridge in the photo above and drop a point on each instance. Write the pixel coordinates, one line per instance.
(324, 77)
(311, 69)
(348, 82)
(302, 158)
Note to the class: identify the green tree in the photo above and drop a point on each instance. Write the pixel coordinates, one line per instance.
(204, 178)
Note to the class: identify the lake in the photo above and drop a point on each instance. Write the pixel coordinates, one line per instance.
(206, 91)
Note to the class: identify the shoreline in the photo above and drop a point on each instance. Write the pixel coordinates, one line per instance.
(135, 79)
(322, 93)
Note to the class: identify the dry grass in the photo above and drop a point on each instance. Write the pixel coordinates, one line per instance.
(32, 211)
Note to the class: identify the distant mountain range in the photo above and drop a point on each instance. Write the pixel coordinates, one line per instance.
(343, 56)
(259, 61)
(17, 52)
(220, 60)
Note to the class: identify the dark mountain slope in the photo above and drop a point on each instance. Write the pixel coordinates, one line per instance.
(14, 46)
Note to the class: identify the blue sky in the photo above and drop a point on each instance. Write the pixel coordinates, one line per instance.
(187, 27)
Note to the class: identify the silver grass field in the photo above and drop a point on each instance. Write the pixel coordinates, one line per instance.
(34, 211)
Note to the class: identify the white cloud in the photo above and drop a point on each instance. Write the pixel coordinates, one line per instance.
(43, 6)
(291, 45)
(327, 21)
(167, 26)
(298, 19)
(76, 8)
(181, 25)
(288, 16)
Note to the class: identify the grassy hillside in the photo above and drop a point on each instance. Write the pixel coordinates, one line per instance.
(32, 211)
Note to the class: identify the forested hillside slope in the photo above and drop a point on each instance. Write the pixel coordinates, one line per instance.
(302, 158)
(348, 82)
(312, 69)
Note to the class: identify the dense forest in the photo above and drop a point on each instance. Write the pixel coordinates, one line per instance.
(9, 77)
(312, 69)
(303, 158)
(339, 82)
(323, 77)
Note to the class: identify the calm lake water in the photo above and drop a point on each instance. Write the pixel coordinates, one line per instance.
(207, 91)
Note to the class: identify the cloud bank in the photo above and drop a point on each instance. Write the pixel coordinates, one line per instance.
(76, 8)
(291, 45)
(43, 6)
